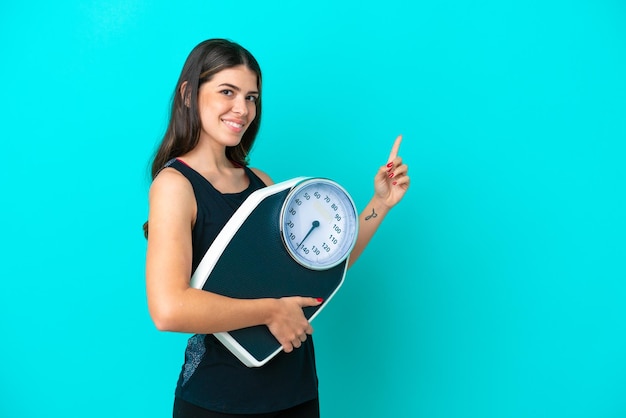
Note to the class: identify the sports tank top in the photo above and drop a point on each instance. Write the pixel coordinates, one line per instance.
(212, 377)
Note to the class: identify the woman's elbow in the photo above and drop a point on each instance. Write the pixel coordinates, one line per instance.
(163, 317)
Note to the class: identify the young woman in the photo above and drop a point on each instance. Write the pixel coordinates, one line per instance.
(200, 177)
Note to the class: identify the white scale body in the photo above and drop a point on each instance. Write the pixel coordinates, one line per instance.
(289, 239)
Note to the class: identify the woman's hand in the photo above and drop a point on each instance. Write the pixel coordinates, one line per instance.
(392, 180)
(288, 323)
(390, 184)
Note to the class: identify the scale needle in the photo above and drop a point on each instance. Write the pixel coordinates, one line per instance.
(314, 225)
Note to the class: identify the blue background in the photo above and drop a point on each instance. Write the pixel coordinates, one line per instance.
(495, 289)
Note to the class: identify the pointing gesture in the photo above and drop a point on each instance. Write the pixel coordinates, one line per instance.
(396, 146)
(392, 180)
(390, 184)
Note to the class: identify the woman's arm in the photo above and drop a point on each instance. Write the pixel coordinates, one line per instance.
(390, 184)
(174, 305)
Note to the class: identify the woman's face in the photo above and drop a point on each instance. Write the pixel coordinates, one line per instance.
(227, 105)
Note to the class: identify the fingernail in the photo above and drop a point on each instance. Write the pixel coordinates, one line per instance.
(394, 183)
(320, 300)
(390, 165)
(391, 175)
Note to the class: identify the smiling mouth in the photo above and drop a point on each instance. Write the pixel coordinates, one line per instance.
(233, 124)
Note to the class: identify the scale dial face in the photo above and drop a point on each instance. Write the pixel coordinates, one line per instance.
(319, 223)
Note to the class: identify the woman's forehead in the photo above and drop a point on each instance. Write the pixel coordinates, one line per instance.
(240, 75)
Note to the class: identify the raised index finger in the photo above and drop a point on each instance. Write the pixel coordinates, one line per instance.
(395, 148)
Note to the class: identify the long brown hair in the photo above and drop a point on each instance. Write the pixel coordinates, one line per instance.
(183, 131)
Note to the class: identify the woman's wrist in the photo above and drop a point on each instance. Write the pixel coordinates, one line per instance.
(379, 205)
(267, 310)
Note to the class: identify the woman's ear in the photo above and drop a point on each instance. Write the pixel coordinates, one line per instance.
(184, 94)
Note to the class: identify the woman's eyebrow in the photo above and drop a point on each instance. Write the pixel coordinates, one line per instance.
(232, 86)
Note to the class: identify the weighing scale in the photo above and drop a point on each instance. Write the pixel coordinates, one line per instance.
(289, 239)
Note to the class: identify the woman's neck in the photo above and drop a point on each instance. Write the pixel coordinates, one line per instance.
(208, 157)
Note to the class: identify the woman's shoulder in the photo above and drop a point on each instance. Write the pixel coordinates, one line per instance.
(171, 200)
(263, 176)
(170, 182)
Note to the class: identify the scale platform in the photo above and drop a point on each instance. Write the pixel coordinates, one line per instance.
(248, 260)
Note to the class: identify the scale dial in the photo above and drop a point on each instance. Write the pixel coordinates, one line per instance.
(319, 223)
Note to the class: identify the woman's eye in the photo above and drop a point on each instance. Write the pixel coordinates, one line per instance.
(252, 98)
(227, 92)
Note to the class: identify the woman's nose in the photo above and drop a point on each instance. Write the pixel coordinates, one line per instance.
(240, 105)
